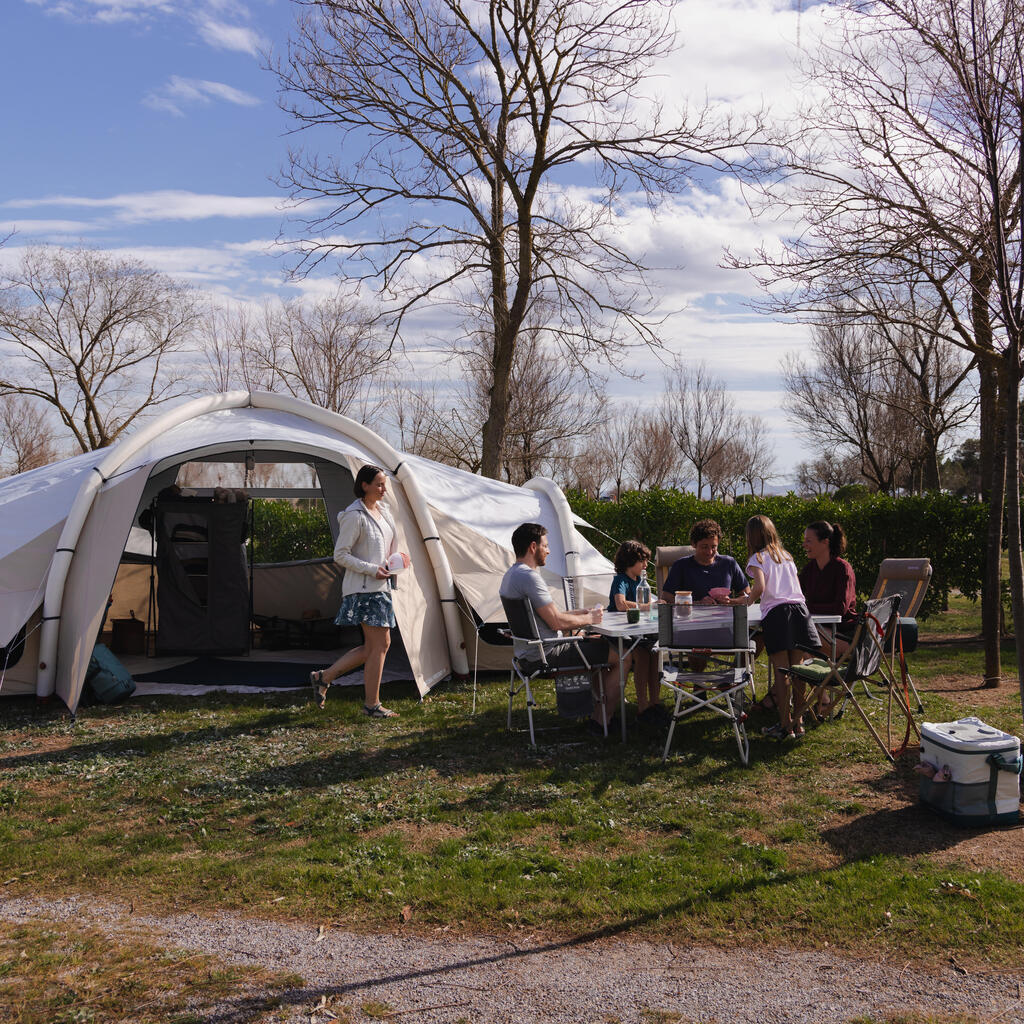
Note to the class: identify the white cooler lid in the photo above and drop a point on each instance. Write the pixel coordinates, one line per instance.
(968, 734)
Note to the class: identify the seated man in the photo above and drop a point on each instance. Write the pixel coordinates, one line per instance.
(706, 569)
(530, 544)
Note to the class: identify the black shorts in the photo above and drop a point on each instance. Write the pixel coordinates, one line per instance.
(788, 627)
(567, 655)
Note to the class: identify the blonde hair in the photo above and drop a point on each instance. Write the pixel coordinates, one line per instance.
(762, 536)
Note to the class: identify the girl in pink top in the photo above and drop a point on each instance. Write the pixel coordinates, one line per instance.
(785, 622)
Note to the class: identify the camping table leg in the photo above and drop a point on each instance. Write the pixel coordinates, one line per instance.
(622, 679)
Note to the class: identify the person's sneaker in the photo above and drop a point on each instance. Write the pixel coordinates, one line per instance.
(776, 732)
(379, 711)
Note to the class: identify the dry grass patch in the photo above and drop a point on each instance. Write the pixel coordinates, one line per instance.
(65, 974)
(418, 837)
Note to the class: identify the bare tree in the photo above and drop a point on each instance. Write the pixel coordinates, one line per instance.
(26, 436)
(232, 347)
(587, 468)
(551, 407)
(848, 401)
(827, 473)
(724, 471)
(461, 118)
(551, 403)
(755, 454)
(327, 351)
(702, 414)
(908, 174)
(92, 336)
(614, 441)
(653, 457)
(324, 350)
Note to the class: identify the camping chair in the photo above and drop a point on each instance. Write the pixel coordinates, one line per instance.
(665, 558)
(908, 577)
(724, 632)
(527, 667)
(866, 659)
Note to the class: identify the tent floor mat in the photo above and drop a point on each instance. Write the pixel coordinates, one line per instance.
(249, 673)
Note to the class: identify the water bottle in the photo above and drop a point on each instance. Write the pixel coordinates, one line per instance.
(643, 598)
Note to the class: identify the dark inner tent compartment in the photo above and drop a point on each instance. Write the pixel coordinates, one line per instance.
(203, 586)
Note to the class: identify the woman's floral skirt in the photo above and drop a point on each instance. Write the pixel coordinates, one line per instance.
(366, 609)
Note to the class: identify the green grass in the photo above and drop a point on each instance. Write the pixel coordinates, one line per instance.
(267, 806)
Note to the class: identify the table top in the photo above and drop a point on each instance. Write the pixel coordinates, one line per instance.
(614, 624)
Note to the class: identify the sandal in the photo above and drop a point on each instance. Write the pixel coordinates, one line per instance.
(320, 688)
(379, 711)
(766, 703)
(776, 732)
(798, 729)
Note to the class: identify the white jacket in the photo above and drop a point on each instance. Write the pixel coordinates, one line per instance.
(360, 549)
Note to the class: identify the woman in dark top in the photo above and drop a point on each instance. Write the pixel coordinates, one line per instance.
(827, 580)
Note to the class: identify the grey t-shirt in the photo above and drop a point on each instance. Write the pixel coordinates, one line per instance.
(522, 581)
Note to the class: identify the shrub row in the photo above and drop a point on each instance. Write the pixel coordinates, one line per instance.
(942, 527)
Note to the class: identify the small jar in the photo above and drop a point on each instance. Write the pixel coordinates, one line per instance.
(683, 603)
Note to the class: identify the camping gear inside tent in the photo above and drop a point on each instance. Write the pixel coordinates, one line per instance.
(65, 529)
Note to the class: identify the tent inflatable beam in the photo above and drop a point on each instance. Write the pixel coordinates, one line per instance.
(115, 457)
(566, 527)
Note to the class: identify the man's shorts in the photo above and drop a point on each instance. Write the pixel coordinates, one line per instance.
(567, 655)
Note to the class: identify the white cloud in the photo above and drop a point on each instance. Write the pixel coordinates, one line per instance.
(44, 229)
(219, 34)
(180, 92)
(231, 37)
(165, 205)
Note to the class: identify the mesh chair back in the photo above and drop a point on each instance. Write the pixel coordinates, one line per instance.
(569, 592)
(522, 622)
(865, 654)
(665, 558)
(908, 577)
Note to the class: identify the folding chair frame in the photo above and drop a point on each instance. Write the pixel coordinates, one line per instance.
(520, 614)
(721, 692)
(880, 637)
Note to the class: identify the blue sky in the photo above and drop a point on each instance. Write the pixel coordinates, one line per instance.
(151, 127)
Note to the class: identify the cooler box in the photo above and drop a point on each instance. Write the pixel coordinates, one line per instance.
(984, 765)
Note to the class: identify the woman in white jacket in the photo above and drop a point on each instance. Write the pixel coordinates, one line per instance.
(366, 540)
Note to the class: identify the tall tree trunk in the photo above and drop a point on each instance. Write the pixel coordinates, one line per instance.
(991, 598)
(1011, 402)
(493, 433)
(993, 469)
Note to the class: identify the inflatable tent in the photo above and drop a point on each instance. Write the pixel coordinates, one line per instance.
(64, 529)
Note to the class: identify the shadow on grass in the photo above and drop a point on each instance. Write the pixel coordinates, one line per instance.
(149, 743)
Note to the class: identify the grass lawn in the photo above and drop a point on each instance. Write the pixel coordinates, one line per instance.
(439, 819)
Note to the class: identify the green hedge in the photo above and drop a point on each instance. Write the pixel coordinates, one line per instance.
(946, 529)
(942, 527)
(286, 532)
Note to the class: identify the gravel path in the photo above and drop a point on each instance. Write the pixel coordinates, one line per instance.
(488, 979)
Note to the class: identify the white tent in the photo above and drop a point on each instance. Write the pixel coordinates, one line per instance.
(63, 529)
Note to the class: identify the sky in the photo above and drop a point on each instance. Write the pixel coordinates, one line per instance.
(151, 128)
